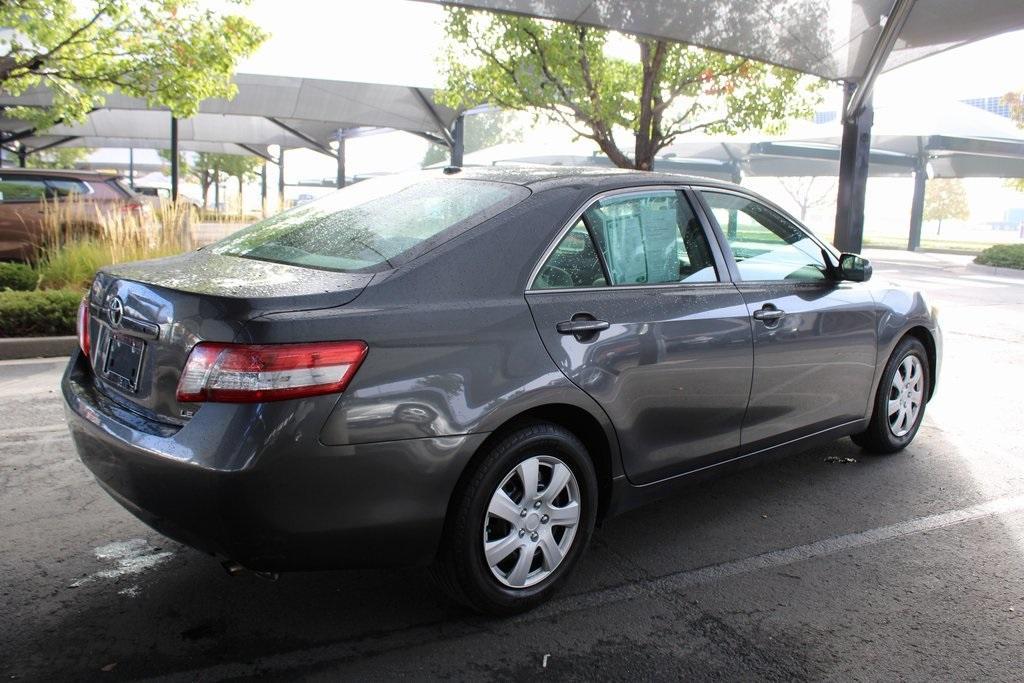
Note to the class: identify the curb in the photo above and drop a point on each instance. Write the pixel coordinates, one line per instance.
(995, 270)
(36, 347)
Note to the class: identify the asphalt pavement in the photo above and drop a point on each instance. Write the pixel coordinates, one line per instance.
(829, 565)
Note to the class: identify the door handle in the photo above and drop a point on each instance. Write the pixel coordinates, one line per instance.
(581, 326)
(768, 314)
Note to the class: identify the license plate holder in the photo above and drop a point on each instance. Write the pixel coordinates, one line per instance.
(124, 361)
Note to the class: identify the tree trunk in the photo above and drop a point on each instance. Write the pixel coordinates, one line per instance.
(241, 201)
(938, 228)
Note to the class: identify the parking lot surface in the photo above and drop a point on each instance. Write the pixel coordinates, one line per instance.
(829, 565)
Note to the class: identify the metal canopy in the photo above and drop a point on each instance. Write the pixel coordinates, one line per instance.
(268, 110)
(955, 139)
(833, 39)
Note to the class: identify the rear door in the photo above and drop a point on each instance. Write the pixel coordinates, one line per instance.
(630, 304)
(21, 214)
(814, 337)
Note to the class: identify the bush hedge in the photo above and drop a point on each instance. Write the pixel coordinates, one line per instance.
(17, 276)
(1003, 256)
(38, 313)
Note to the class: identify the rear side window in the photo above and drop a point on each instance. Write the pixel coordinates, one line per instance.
(573, 263)
(375, 224)
(62, 187)
(646, 238)
(17, 189)
(651, 238)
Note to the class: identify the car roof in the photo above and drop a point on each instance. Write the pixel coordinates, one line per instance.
(61, 173)
(543, 177)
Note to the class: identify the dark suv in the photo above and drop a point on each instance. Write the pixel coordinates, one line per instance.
(79, 198)
(470, 368)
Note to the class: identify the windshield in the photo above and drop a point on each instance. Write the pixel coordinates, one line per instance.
(374, 224)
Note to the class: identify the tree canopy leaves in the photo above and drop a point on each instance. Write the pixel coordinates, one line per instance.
(945, 198)
(172, 53)
(566, 71)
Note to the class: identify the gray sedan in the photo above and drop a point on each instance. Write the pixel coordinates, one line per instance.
(468, 369)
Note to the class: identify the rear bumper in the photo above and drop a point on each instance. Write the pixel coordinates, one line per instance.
(252, 483)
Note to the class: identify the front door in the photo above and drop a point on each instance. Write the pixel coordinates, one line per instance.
(814, 337)
(631, 307)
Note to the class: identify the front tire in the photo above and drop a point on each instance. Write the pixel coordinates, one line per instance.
(900, 401)
(520, 521)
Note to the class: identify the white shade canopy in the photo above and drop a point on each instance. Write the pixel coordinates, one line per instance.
(268, 110)
(956, 140)
(833, 39)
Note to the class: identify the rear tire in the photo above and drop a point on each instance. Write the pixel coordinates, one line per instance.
(507, 549)
(900, 401)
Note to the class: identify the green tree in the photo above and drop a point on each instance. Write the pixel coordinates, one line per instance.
(240, 167)
(57, 157)
(481, 131)
(172, 53)
(564, 71)
(945, 198)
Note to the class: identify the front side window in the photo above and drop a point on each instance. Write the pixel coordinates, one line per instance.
(651, 238)
(765, 245)
(16, 189)
(375, 224)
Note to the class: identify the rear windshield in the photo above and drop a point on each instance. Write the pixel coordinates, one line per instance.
(373, 225)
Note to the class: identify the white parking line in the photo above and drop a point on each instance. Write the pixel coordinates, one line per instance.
(951, 282)
(1000, 280)
(646, 588)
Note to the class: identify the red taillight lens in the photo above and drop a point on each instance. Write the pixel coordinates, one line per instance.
(83, 326)
(240, 373)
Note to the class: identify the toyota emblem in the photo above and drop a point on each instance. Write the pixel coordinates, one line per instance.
(116, 312)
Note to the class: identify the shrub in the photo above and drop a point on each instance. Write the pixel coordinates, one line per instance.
(1003, 256)
(38, 313)
(17, 276)
(72, 265)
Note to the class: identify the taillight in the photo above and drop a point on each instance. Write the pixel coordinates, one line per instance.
(83, 326)
(240, 373)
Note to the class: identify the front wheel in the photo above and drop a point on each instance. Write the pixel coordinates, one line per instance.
(900, 400)
(520, 521)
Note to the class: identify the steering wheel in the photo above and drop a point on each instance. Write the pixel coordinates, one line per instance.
(555, 277)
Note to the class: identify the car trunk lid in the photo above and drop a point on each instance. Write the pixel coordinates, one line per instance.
(145, 317)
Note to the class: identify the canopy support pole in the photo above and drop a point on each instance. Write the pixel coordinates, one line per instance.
(263, 189)
(131, 167)
(917, 204)
(216, 187)
(339, 180)
(458, 140)
(174, 158)
(854, 158)
(858, 116)
(280, 180)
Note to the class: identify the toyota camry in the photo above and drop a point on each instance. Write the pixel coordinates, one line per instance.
(469, 369)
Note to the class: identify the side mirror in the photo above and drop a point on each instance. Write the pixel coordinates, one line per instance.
(854, 267)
